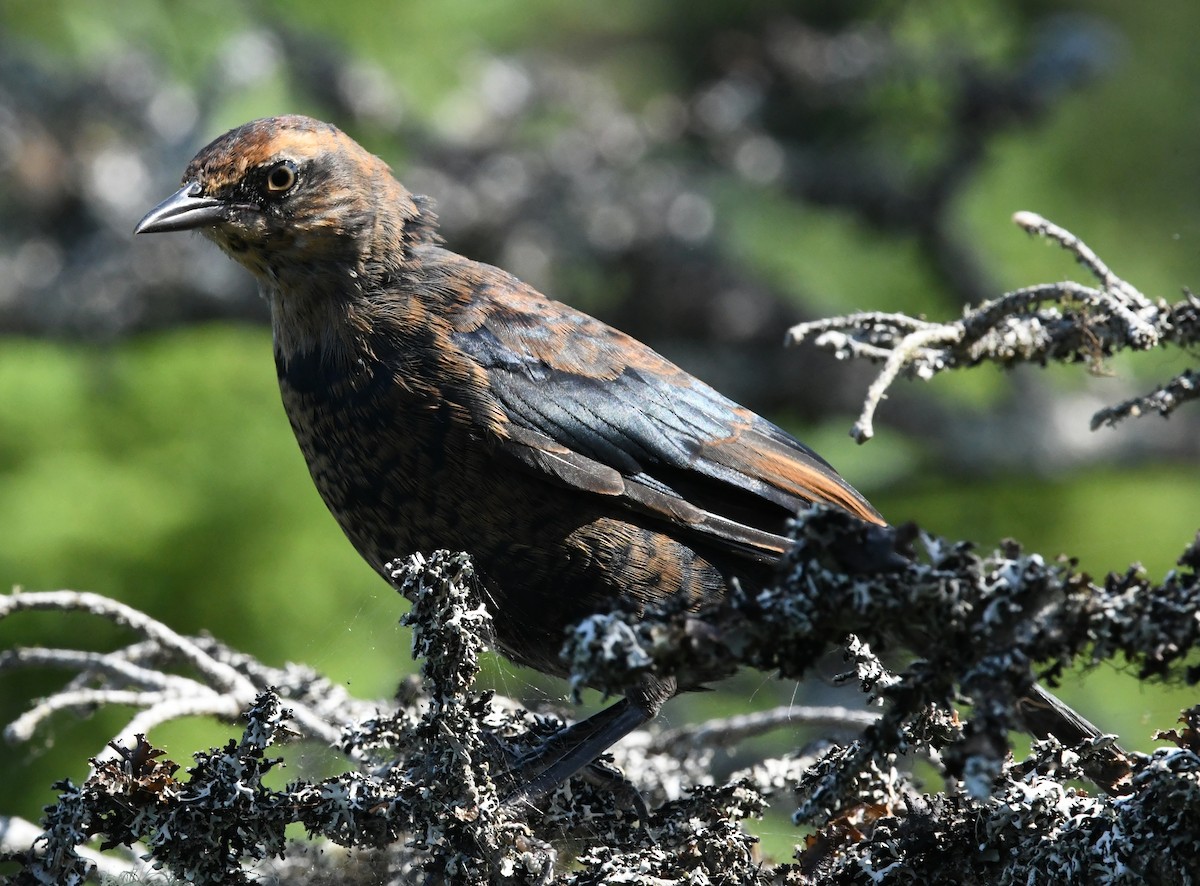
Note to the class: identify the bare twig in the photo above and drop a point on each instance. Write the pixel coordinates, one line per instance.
(727, 731)
(222, 676)
(1035, 224)
(1065, 322)
(226, 683)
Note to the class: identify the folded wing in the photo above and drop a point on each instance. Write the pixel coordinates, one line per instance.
(594, 409)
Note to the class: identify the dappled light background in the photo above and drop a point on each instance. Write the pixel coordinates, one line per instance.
(702, 175)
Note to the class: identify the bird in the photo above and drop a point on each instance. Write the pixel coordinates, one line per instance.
(442, 403)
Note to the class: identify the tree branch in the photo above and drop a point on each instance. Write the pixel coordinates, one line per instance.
(1063, 322)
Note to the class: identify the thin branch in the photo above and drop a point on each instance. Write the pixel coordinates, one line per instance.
(1164, 400)
(1063, 322)
(227, 681)
(1036, 224)
(118, 666)
(221, 675)
(913, 348)
(23, 728)
(727, 731)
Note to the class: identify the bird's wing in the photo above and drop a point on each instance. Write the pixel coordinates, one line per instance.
(595, 409)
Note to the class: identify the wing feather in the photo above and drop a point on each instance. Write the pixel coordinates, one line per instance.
(591, 408)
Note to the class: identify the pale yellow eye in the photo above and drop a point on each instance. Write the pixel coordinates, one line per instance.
(281, 178)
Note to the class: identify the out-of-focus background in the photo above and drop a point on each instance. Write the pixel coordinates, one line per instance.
(701, 174)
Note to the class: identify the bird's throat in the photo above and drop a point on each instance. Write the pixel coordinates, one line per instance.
(310, 324)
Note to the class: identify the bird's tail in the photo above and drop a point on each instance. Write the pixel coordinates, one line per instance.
(1045, 715)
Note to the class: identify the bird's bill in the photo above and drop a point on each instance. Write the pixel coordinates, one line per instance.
(185, 210)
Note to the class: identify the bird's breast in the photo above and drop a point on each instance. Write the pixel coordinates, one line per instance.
(376, 446)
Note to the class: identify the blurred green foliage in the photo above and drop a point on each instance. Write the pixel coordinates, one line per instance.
(163, 473)
(162, 470)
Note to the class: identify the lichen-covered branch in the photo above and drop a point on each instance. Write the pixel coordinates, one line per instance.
(424, 790)
(421, 793)
(1058, 322)
(1164, 400)
(977, 624)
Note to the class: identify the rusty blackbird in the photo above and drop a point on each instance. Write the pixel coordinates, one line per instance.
(443, 403)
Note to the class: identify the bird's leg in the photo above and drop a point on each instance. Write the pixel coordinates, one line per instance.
(575, 747)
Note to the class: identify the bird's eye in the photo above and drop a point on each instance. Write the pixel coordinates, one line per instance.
(281, 178)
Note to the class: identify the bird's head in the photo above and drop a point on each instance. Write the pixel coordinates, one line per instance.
(292, 197)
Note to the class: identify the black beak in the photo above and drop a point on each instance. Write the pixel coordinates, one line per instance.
(185, 210)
